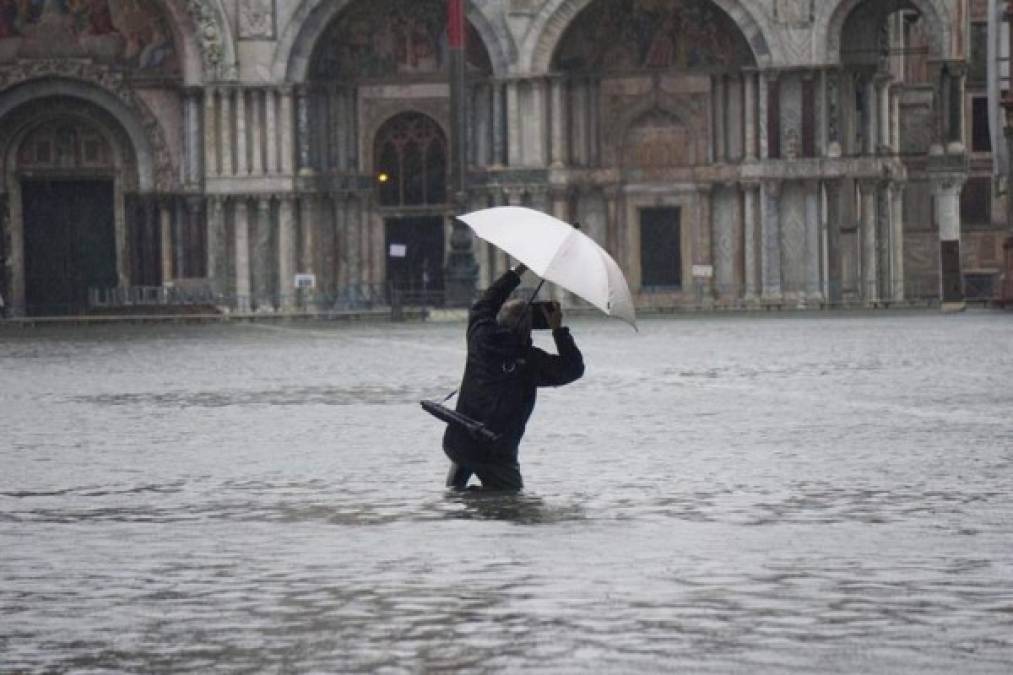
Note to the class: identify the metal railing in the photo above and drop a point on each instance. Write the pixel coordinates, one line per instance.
(148, 296)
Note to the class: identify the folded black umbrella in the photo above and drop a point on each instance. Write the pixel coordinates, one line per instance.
(473, 427)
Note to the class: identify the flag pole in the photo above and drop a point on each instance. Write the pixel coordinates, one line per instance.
(462, 271)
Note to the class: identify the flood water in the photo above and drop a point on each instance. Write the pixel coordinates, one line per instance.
(765, 494)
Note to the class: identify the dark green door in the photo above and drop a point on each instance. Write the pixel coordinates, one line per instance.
(70, 243)
(660, 248)
(415, 258)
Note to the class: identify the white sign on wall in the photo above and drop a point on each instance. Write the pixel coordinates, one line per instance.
(398, 250)
(703, 271)
(305, 281)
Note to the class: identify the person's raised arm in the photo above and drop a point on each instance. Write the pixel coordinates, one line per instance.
(568, 365)
(493, 298)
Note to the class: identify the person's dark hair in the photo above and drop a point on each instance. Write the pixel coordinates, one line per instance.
(515, 316)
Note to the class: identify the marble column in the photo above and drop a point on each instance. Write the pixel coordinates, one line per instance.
(241, 227)
(536, 121)
(227, 133)
(897, 237)
(726, 227)
(813, 244)
(871, 110)
(883, 98)
(558, 121)
(593, 121)
(835, 283)
(895, 119)
(704, 253)
(353, 250)
(262, 258)
(750, 217)
(770, 246)
(328, 244)
(957, 133)
(257, 132)
(498, 123)
(271, 125)
(946, 193)
(193, 257)
(834, 121)
(242, 135)
(286, 253)
(376, 254)
(749, 117)
(286, 132)
(216, 243)
(192, 142)
(870, 245)
(820, 103)
(179, 227)
(165, 207)
(719, 137)
(341, 238)
(612, 224)
(884, 239)
(354, 160)
(308, 222)
(303, 131)
(340, 129)
(514, 145)
(211, 142)
(763, 132)
(481, 148)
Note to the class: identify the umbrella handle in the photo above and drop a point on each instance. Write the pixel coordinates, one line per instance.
(534, 295)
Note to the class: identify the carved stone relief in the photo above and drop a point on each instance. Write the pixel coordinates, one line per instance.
(210, 38)
(794, 12)
(256, 20)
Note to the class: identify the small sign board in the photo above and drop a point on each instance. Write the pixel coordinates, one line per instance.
(305, 281)
(703, 271)
(398, 250)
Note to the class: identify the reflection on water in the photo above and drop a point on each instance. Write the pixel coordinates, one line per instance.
(521, 509)
(718, 494)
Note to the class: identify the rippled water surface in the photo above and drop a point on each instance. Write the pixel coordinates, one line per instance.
(802, 494)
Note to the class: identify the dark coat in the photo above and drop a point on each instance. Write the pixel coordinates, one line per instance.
(502, 376)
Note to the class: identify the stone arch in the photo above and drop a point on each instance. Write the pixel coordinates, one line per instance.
(436, 115)
(411, 135)
(24, 121)
(310, 20)
(551, 24)
(831, 19)
(154, 169)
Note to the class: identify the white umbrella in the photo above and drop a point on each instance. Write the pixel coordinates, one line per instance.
(558, 252)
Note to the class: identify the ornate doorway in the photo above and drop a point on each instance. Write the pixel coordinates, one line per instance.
(70, 243)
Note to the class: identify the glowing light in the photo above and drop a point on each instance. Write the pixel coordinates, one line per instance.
(383, 177)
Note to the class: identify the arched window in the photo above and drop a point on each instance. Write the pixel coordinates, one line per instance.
(411, 162)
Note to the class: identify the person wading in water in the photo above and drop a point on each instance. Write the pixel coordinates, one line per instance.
(501, 378)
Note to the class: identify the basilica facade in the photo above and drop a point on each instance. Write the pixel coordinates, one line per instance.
(296, 155)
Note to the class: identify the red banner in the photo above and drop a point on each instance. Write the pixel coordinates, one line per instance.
(455, 24)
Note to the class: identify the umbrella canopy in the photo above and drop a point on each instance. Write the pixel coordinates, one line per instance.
(557, 252)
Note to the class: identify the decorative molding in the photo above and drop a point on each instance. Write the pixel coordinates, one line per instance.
(211, 39)
(256, 20)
